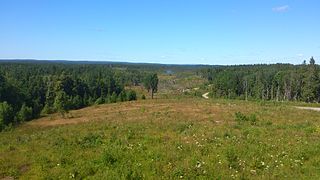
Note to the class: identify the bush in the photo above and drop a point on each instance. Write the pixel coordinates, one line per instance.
(77, 102)
(25, 113)
(100, 100)
(143, 97)
(122, 96)
(6, 115)
(47, 110)
(131, 95)
(113, 98)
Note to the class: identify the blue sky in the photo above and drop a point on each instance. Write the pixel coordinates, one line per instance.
(162, 31)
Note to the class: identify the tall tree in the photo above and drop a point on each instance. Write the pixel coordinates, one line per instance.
(151, 83)
(61, 103)
(25, 113)
(6, 114)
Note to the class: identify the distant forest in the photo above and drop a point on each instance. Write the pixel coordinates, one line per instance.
(278, 82)
(30, 89)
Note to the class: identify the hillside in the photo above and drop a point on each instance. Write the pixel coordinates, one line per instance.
(167, 138)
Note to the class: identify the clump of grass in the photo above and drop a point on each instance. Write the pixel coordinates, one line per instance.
(109, 158)
(242, 118)
(232, 159)
(90, 140)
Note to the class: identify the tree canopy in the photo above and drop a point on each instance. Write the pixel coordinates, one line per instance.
(28, 90)
(151, 83)
(279, 82)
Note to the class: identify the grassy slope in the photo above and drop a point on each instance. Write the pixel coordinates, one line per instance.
(166, 138)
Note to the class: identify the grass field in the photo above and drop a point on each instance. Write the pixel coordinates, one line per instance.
(167, 139)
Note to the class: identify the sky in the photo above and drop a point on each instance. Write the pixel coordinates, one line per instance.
(218, 32)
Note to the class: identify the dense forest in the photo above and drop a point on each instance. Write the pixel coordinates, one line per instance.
(279, 82)
(28, 90)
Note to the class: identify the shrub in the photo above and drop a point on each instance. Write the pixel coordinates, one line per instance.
(143, 97)
(100, 100)
(122, 96)
(25, 113)
(47, 110)
(113, 98)
(77, 102)
(6, 115)
(131, 95)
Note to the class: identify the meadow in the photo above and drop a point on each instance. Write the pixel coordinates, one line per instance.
(174, 138)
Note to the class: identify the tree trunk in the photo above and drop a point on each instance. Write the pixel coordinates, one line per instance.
(272, 91)
(151, 93)
(278, 93)
(246, 89)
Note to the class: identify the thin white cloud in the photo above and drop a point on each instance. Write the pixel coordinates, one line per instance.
(281, 9)
(300, 55)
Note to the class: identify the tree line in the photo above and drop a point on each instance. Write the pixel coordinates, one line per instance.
(29, 90)
(278, 82)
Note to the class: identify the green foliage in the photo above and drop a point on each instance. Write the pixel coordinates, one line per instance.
(77, 102)
(90, 140)
(25, 113)
(131, 95)
(123, 96)
(241, 118)
(113, 98)
(100, 100)
(109, 159)
(233, 159)
(47, 110)
(278, 82)
(147, 143)
(151, 83)
(6, 115)
(61, 103)
(53, 87)
(143, 97)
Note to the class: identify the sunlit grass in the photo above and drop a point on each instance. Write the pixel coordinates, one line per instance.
(167, 138)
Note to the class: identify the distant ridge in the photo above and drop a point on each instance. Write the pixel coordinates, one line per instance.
(98, 62)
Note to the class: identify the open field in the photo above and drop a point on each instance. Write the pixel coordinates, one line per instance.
(167, 138)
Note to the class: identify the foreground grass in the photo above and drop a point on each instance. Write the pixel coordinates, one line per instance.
(167, 139)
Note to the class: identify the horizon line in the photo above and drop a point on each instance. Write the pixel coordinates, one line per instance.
(130, 62)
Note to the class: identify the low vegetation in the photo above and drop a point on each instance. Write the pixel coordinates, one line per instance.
(167, 138)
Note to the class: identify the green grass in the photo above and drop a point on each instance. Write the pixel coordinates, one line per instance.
(168, 139)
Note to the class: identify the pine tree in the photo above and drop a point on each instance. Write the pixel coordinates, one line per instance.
(311, 87)
(6, 115)
(25, 113)
(61, 103)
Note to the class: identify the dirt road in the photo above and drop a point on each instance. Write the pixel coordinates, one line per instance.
(309, 108)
